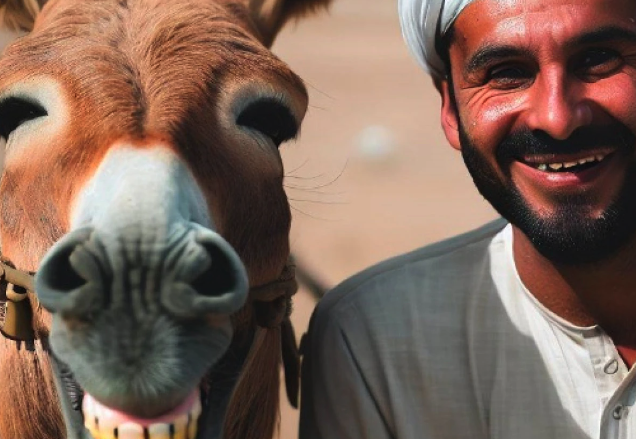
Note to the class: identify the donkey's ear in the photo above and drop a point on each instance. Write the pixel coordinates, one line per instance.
(19, 15)
(271, 15)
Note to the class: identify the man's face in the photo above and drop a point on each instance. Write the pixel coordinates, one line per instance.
(544, 111)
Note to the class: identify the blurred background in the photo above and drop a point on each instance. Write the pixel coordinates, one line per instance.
(371, 175)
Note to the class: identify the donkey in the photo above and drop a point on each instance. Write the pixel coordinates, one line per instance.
(143, 187)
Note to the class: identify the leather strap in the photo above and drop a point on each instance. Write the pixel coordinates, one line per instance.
(16, 316)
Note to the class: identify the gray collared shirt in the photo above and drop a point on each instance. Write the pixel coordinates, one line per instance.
(447, 343)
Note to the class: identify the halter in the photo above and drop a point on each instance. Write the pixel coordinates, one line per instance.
(16, 314)
(272, 305)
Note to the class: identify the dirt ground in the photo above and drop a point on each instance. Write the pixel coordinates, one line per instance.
(372, 175)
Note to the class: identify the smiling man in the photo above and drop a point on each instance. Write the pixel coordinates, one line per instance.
(526, 327)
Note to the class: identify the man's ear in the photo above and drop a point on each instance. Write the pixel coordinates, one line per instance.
(270, 15)
(450, 116)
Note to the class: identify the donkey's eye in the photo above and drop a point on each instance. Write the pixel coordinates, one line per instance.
(16, 111)
(270, 118)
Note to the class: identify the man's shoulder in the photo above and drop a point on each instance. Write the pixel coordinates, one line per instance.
(434, 273)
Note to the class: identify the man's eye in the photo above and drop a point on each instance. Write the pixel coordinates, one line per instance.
(508, 76)
(599, 62)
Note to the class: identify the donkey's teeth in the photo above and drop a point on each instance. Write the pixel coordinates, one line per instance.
(159, 431)
(183, 428)
(130, 431)
(105, 423)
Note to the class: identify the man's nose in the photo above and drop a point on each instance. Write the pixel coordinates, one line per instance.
(558, 105)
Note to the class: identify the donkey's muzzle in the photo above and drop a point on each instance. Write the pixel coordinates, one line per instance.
(192, 273)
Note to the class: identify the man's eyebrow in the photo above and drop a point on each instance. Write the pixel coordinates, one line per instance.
(490, 53)
(603, 35)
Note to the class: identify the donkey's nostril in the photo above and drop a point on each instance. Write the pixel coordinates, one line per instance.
(64, 271)
(211, 279)
(220, 277)
(61, 275)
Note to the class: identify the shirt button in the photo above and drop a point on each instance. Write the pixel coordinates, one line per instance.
(618, 412)
(611, 367)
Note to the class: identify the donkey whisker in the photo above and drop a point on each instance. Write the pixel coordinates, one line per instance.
(298, 168)
(316, 89)
(300, 200)
(311, 189)
(331, 220)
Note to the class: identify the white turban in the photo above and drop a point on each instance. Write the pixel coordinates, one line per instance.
(423, 23)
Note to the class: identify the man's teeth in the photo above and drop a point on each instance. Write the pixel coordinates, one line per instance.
(183, 427)
(566, 165)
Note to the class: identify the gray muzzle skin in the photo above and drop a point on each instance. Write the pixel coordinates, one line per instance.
(142, 288)
(193, 274)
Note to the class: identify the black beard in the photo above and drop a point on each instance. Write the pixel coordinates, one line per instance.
(571, 235)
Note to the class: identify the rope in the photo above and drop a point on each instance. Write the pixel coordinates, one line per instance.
(272, 305)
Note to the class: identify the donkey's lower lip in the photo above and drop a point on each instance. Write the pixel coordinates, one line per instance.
(105, 423)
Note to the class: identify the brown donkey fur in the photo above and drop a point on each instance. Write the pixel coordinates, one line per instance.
(31, 222)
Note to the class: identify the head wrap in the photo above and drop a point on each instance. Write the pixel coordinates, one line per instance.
(424, 22)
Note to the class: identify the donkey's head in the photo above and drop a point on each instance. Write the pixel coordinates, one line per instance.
(143, 183)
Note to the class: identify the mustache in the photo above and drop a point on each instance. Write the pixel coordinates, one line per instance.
(587, 138)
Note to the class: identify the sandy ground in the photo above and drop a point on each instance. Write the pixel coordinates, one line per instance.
(372, 175)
